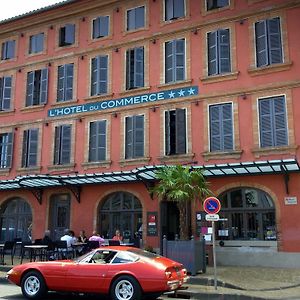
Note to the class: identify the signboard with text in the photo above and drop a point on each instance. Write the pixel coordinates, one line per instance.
(152, 223)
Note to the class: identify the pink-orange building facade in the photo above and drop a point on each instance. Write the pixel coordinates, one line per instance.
(96, 94)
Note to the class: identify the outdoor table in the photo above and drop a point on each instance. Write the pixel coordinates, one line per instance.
(2, 254)
(35, 250)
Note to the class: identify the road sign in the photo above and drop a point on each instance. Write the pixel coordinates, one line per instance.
(211, 205)
(212, 217)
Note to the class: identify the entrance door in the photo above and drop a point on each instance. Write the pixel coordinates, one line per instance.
(59, 215)
(169, 219)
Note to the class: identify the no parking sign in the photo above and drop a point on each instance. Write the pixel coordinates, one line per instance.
(211, 205)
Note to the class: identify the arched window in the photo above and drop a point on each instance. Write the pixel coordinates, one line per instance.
(250, 215)
(121, 211)
(15, 220)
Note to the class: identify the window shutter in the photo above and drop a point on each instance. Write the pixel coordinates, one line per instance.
(261, 44)
(93, 142)
(227, 127)
(94, 76)
(10, 49)
(169, 62)
(30, 88)
(224, 51)
(212, 53)
(139, 67)
(9, 149)
(167, 133)
(57, 146)
(103, 69)
(179, 56)
(4, 51)
(69, 69)
(44, 86)
(61, 83)
(25, 149)
(169, 10)
(6, 92)
(96, 28)
(129, 76)
(180, 131)
(101, 144)
(280, 122)
(215, 128)
(32, 147)
(140, 17)
(62, 36)
(178, 7)
(66, 144)
(129, 138)
(104, 23)
(1, 92)
(274, 39)
(138, 123)
(69, 34)
(130, 19)
(266, 123)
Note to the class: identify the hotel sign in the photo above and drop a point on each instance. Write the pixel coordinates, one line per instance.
(126, 101)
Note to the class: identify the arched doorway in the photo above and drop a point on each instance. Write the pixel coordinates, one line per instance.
(15, 220)
(250, 215)
(123, 211)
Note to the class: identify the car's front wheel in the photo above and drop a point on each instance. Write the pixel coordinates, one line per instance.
(125, 288)
(33, 285)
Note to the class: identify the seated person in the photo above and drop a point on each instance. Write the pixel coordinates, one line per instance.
(46, 240)
(96, 237)
(118, 236)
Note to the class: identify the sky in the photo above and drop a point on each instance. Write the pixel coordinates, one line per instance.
(13, 8)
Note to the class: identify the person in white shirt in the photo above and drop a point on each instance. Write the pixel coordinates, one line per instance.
(68, 238)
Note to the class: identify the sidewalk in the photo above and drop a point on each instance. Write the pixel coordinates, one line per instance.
(234, 283)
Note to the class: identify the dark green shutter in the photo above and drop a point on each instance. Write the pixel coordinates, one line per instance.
(180, 131)
(25, 148)
(65, 144)
(167, 133)
(32, 147)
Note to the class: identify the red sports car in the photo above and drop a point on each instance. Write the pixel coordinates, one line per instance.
(124, 273)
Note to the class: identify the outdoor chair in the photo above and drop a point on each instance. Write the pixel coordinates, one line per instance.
(9, 246)
(92, 245)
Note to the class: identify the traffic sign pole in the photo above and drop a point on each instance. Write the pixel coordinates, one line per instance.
(214, 255)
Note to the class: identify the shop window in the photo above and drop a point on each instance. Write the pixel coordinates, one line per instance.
(5, 92)
(134, 137)
(8, 50)
(268, 42)
(97, 143)
(272, 122)
(135, 68)
(99, 70)
(37, 87)
(249, 214)
(100, 27)
(218, 52)
(6, 149)
(65, 82)
(175, 60)
(136, 18)
(62, 145)
(174, 9)
(67, 35)
(36, 43)
(215, 4)
(221, 127)
(175, 132)
(30, 148)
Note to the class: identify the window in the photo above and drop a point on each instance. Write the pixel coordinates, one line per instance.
(8, 50)
(221, 127)
(175, 60)
(174, 9)
(67, 35)
(175, 132)
(37, 87)
(134, 137)
(218, 52)
(99, 75)
(136, 18)
(30, 148)
(100, 27)
(97, 143)
(65, 82)
(268, 42)
(249, 214)
(215, 4)
(5, 92)
(6, 149)
(36, 43)
(62, 145)
(135, 68)
(273, 122)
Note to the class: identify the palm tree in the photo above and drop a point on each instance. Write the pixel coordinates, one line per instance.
(181, 184)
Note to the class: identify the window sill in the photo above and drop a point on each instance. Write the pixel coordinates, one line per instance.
(258, 152)
(235, 154)
(4, 171)
(98, 164)
(175, 84)
(67, 167)
(177, 158)
(33, 108)
(270, 69)
(177, 20)
(134, 91)
(130, 31)
(99, 97)
(216, 10)
(7, 112)
(220, 77)
(29, 170)
(134, 161)
(63, 103)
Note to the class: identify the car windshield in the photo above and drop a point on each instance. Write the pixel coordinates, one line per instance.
(144, 253)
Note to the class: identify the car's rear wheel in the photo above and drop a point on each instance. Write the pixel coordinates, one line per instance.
(33, 285)
(125, 288)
